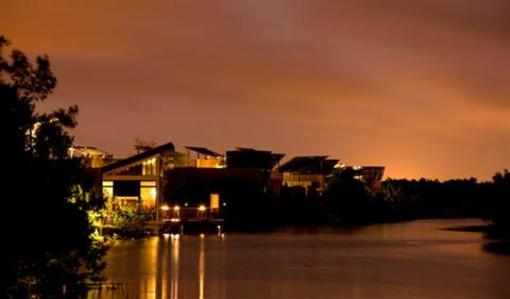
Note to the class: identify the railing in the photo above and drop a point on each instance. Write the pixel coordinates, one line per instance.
(189, 213)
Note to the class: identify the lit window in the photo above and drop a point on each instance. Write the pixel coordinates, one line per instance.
(149, 167)
(107, 183)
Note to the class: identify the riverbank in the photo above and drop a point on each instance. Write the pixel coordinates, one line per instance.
(498, 238)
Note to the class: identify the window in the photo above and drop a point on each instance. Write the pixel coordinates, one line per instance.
(149, 167)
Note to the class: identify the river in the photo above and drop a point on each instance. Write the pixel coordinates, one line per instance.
(417, 259)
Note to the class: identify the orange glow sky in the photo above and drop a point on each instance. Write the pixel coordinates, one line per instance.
(421, 86)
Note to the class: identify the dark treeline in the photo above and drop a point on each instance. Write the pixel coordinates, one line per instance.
(349, 201)
(499, 207)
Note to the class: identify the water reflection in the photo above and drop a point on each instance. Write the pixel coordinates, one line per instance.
(167, 284)
(404, 260)
(201, 268)
(175, 267)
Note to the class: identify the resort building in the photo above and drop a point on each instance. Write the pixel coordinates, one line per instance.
(136, 182)
(198, 183)
(251, 158)
(308, 172)
(201, 157)
(265, 162)
(371, 175)
(243, 170)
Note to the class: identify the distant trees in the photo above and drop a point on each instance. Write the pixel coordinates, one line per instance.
(411, 199)
(348, 200)
(499, 209)
(47, 243)
(298, 206)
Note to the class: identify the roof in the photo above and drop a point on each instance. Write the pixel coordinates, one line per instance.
(204, 151)
(309, 165)
(276, 157)
(252, 158)
(373, 167)
(140, 157)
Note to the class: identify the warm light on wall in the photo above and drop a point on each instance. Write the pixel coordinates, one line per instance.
(108, 189)
(149, 167)
(148, 193)
(164, 208)
(107, 183)
(202, 208)
(214, 202)
(210, 163)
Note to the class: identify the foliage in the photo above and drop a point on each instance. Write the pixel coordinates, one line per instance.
(411, 199)
(142, 145)
(128, 223)
(48, 249)
(346, 198)
(499, 210)
(298, 206)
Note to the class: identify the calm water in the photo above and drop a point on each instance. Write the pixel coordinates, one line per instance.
(405, 260)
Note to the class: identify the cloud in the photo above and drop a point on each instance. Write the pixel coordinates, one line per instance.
(402, 83)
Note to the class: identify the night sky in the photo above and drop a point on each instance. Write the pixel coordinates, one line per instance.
(420, 86)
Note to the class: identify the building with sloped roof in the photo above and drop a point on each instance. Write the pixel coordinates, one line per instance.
(202, 157)
(370, 175)
(136, 182)
(252, 158)
(308, 172)
(262, 161)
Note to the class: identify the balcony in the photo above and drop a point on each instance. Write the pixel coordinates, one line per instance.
(189, 214)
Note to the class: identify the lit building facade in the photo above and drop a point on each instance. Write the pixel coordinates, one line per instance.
(307, 172)
(201, 157)
(136, 182)
(371, 175)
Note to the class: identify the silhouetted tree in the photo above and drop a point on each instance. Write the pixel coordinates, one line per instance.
(47, 248)
(142, 145)
(499, 211)
(423, 198)
(347, 199)
(296, 206)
